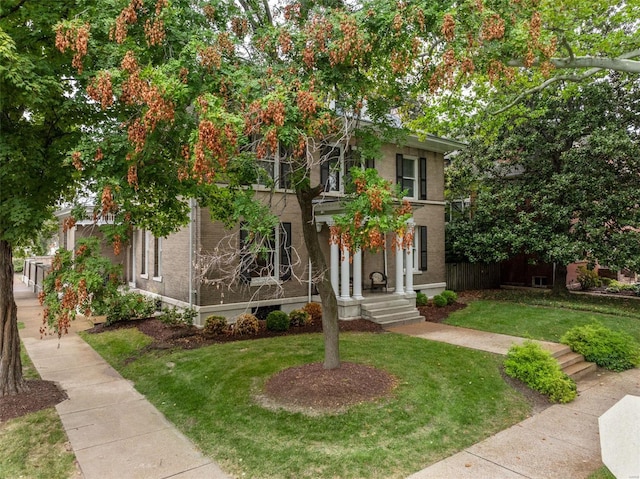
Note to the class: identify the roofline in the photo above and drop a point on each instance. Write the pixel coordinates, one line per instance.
(434, 143)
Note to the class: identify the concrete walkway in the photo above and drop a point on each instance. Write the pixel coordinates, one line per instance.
(114, 431)
(561, 442)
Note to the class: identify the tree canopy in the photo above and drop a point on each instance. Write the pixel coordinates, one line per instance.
(560, 181)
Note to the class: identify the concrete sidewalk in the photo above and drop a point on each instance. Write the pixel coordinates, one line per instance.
(561, 442)
(114, 431)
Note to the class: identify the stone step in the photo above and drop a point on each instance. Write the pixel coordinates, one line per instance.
(387, 310)
(386, 303)
(398, 319)
(567, 359)
(579, 370)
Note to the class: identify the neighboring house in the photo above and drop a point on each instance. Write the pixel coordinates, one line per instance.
(170, 268)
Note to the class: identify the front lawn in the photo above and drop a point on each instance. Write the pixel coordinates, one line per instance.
(544, 318)
(447, 398)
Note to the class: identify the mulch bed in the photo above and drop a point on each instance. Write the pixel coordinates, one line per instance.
(39, 395)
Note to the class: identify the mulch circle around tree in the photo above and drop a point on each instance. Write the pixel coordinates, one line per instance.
(39, 395)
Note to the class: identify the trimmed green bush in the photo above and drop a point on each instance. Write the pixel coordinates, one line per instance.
(439, 300)
(614, 350)
(421, 299)
(299, 317)
(535, 367)
(450, 296)
(246, 324)
(278, 321)
(215, 324)
(175, 317)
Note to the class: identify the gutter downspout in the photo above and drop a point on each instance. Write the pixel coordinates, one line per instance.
(191, 255)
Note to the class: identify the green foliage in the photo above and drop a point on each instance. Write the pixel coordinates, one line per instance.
(175, 317)
(85, 281)
(278, 321)
(128, 305)
(315, 311)
(551, 178)
(299, 317)
(450, 296)
(215, 325)
(246, 324)
(18, 265)
(439, 300)
(588, 278)
(421, 299)
(535, 366)
(615, 350)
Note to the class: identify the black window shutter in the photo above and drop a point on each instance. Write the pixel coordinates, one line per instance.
(370, 163)
(423, 248)
(423, 178)
(399, 161)
(285, 251)
(324, 167)
(246, 258)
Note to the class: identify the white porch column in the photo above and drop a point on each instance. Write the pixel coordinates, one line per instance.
(335, 266)
(408, 260)
(399, 265)
(357, 275)
(344, 274)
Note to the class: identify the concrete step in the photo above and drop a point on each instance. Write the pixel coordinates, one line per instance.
(390, 311)
(401, 320)
(578, 370)
(383, 311)
(567, 359)
(385, 303)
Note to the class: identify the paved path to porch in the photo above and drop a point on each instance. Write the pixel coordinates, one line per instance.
(560, 442)
(113, 430)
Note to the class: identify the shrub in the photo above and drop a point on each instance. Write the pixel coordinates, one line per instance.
(535, 366)
(439, 300)
(450, 296)
(127, 306)
(278, 321)
(588, 278)
(299, 317)
(215, 325)
(315, 311)
(615, 350)
(421, 299)
(18, 265)
(175, 317)
(246, 324)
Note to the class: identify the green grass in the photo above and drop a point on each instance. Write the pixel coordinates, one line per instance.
(35, 445)
(602, 473)
(536, 322)
(447, 398)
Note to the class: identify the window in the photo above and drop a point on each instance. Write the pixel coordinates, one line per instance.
(157, 258)
(266, 258)
(411, 175)
(330, 167)
(352, 159)
(144, 253)
(274, 168)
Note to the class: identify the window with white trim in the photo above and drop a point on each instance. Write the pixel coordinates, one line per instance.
(265, 259)
(411, 175)
(273, 167)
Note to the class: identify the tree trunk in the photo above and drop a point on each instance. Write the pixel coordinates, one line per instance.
(330, 327)
(11, 380)
(560, 280)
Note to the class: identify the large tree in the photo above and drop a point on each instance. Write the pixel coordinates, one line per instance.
(39, 123)
(559, 180)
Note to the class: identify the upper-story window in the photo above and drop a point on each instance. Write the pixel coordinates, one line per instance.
(335, 165)
(274, 166)
(411, 175)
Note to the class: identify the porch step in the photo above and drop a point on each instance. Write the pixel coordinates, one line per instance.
(390, 311)
(573, 364)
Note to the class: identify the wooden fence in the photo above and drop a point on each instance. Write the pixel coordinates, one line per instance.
(467, 276)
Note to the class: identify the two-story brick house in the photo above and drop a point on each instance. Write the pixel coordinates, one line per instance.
(171, 268)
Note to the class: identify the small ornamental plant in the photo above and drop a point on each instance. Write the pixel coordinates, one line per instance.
(450, 296)
(83, 281)
(299, 317)
(539, 370)
(614, 350)
(315, 311)
(278, 321)
(439, 301)
(246, 324)
(421, 299)
(215, 325)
